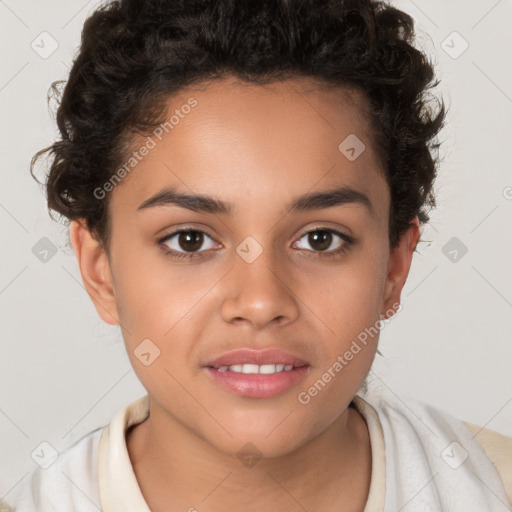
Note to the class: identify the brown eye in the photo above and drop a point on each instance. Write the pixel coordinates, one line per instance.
(190, 241)
(322, 241)
(187, 242)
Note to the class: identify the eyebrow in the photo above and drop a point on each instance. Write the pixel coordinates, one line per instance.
(311, 201)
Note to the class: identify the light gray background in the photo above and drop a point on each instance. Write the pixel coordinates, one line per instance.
(63, 372)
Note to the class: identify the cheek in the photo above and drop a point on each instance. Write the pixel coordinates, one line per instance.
(350, 308)
(152, 294)
(348, 301)
(347, 297)
(168, 305)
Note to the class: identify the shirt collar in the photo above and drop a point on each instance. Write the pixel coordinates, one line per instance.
(118, 486)
(120, 491)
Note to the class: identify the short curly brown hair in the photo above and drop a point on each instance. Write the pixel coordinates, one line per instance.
(135, 54)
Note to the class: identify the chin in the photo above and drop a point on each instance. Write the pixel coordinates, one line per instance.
(261, 440)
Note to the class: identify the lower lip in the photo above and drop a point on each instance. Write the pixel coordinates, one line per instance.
(257, 385)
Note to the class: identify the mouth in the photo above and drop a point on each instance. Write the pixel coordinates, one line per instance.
(257, 374)
(264, 369)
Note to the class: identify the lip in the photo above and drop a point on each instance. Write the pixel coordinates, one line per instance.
(257, 385)
(259, 357)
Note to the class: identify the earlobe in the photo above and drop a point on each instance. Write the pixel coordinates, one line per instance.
(398, 268)
(95, 271)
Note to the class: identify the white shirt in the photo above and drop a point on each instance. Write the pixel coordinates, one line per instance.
(419, 463)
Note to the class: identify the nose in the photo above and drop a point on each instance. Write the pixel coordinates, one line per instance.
(259, 294)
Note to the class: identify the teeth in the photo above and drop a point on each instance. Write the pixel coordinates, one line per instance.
(250, 368)
(266, 369)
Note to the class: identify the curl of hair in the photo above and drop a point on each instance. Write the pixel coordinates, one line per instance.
(134, 54)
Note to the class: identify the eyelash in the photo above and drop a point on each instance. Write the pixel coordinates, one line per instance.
(325, 254)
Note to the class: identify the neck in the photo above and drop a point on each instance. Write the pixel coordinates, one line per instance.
(178, 470)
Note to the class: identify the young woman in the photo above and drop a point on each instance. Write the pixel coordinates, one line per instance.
(245, 182)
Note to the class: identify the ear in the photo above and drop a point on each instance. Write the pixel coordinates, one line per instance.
(95, 269)
(398, 268)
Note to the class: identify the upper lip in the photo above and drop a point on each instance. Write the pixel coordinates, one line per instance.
(259, 357)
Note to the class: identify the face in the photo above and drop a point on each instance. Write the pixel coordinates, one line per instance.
(249, 274)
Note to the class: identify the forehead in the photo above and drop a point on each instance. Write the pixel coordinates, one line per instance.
(235, 140)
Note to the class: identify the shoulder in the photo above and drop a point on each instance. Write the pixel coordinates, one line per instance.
(499, 449)
(430, 441)
(69, 483)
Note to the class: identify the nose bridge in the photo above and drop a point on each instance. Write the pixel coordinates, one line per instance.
(259, 291)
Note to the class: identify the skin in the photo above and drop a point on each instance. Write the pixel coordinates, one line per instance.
(257, 147)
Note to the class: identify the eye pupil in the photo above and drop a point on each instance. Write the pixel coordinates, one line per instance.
(195, 238)
(322, 236)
